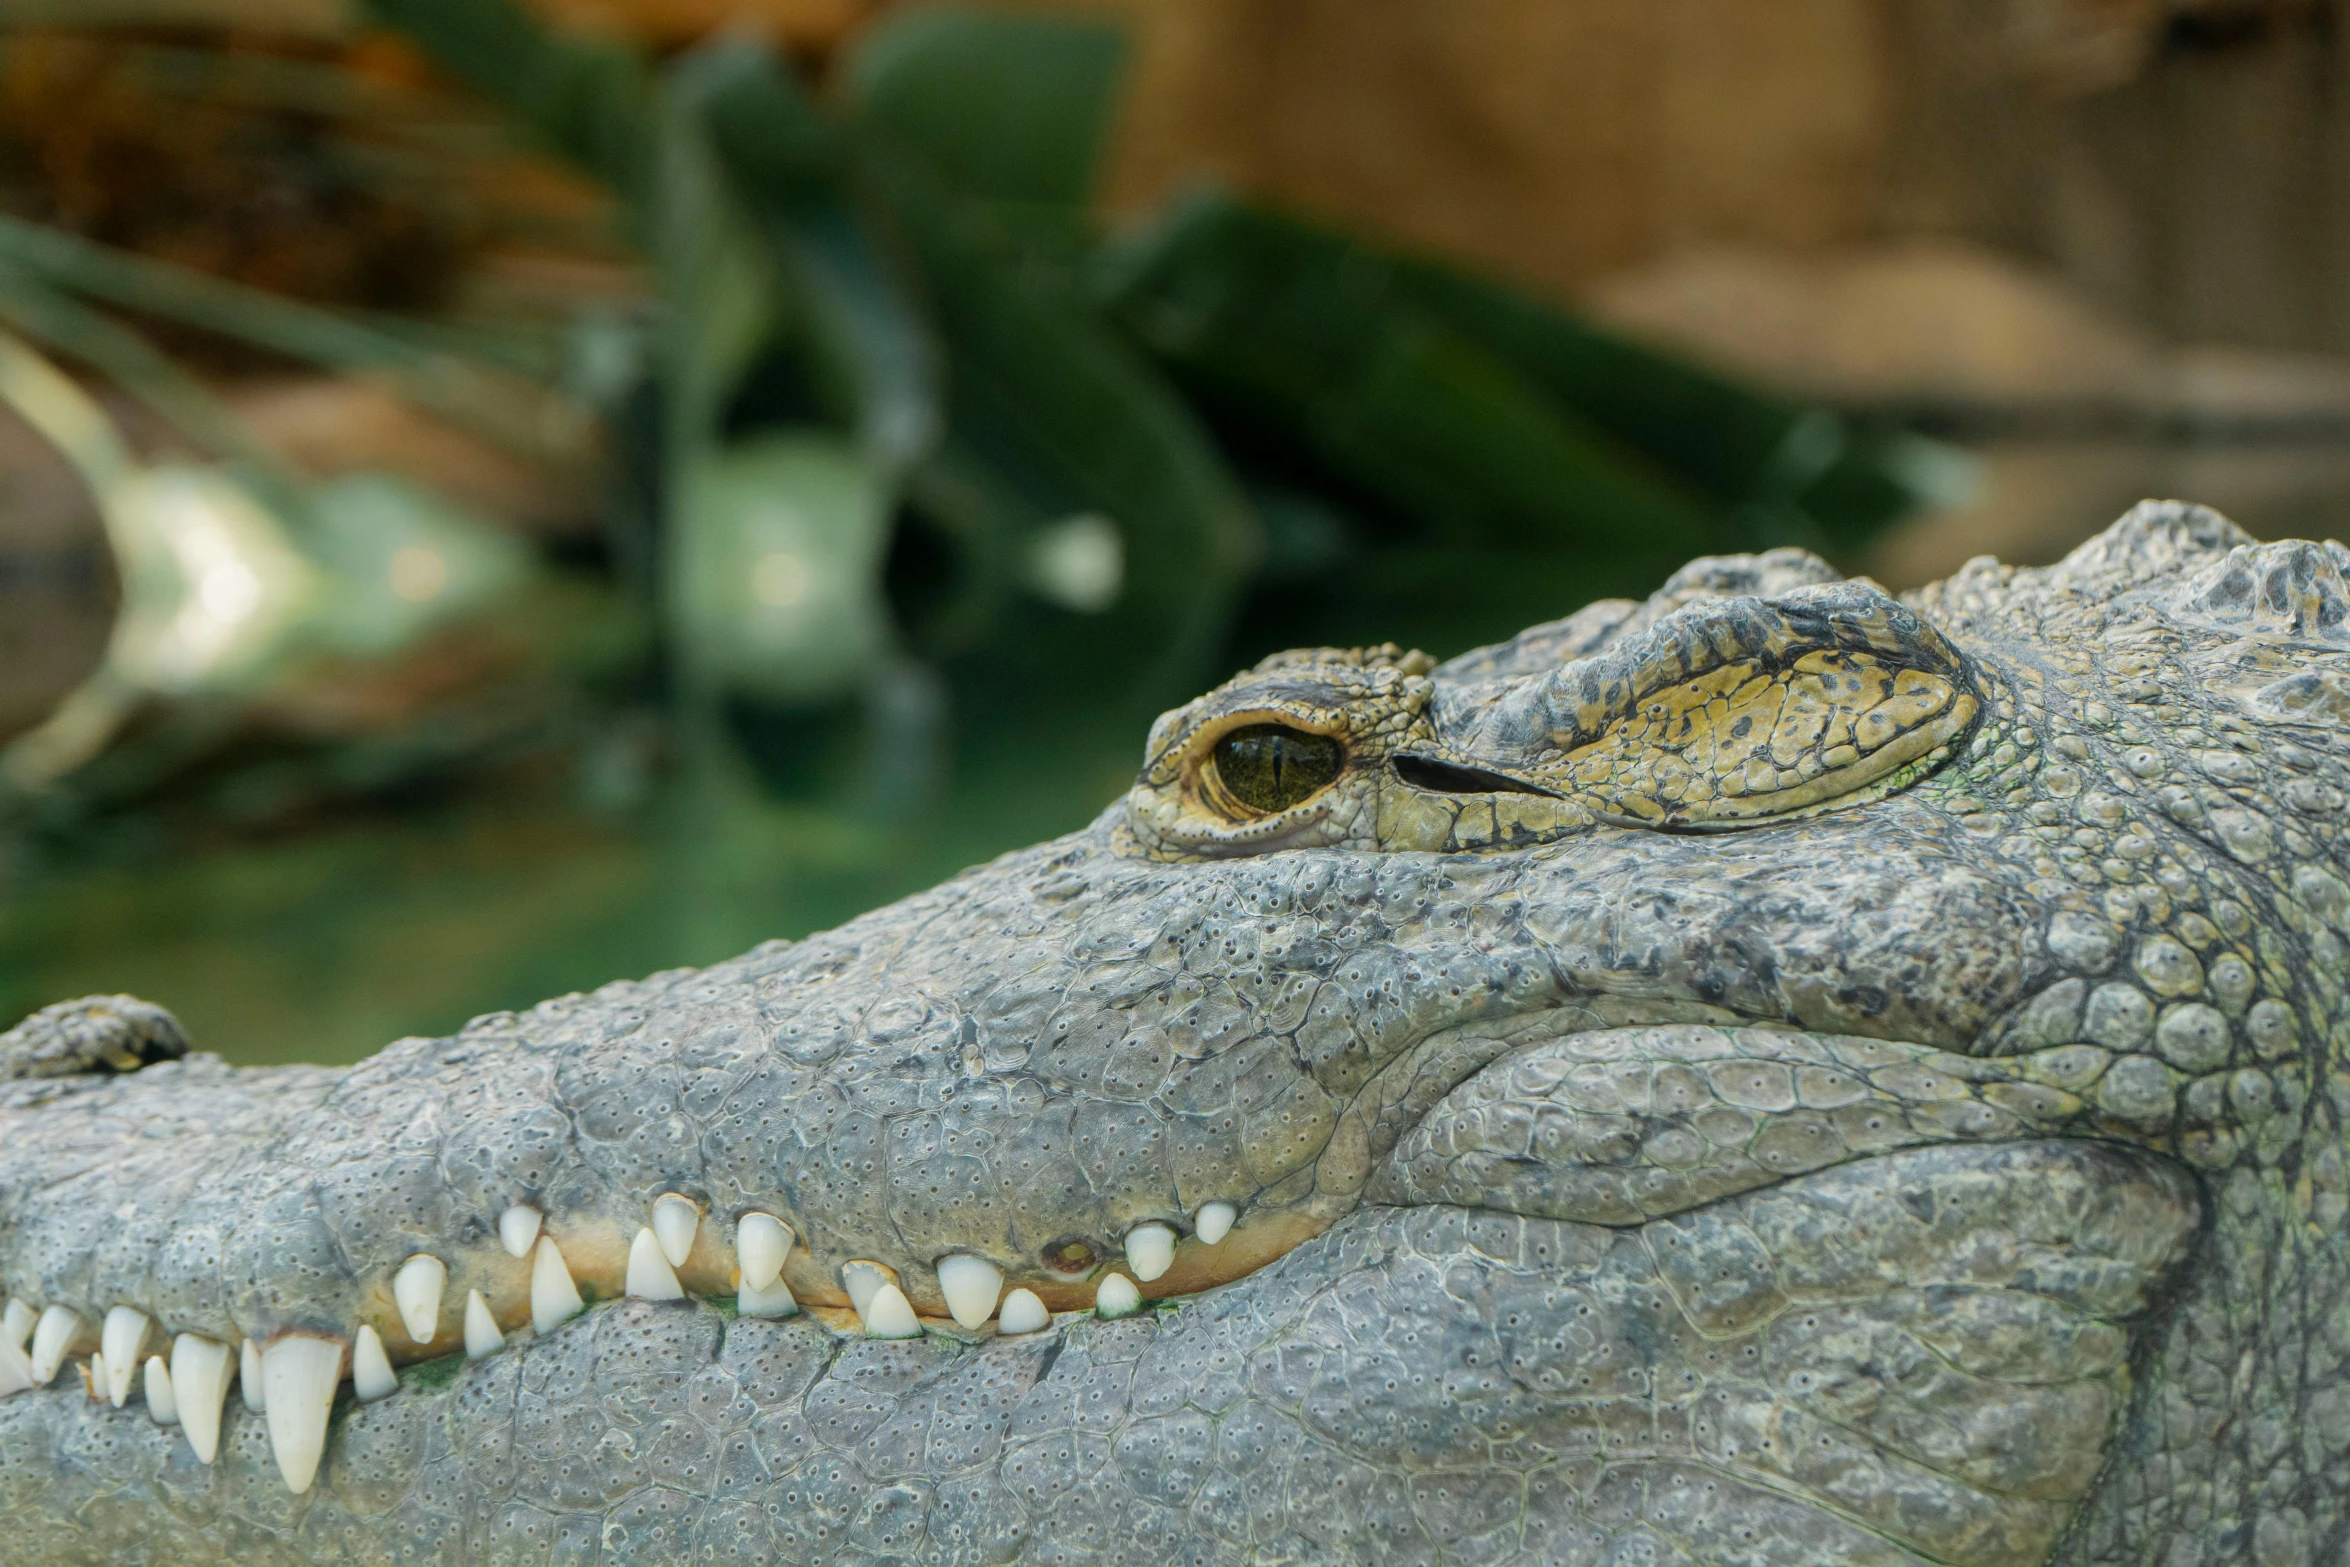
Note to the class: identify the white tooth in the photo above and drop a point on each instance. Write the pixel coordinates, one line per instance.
(416, 1290)
(649, 1275)
(773, 1302)
(863, 1280)
(1116, 1296)
(971, 1285)
(1022, 1312)
(300, 1371)
(554, 1299)
(518, 1226)
(120, 1341)
(199, 1380)
(481, 1329)
(94, 1376)
(53, 1335)
(371, 1368)
(675, 1219)
(17, 1322)
(16, 1368)
(1213, 1221)
(1150, 1250)
(890, 1315)
(250, 1387)
(160, 1404)
(762, 1244)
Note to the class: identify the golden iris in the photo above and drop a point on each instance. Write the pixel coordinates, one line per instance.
(1270, 767)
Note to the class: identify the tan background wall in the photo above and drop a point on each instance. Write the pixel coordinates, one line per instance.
(1554, 141)
(2183, 162)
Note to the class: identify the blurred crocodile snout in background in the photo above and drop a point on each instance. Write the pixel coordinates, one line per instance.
(1772, 1074)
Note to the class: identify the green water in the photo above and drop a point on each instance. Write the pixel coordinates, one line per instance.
(324, 943)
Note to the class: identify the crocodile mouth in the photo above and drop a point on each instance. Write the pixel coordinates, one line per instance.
(1605, 1113)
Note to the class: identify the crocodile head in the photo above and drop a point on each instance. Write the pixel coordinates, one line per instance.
(1769, 1074)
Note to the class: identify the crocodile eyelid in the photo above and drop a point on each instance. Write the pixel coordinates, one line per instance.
(1733, 712)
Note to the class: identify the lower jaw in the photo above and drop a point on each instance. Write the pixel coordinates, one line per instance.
(1410, 1270)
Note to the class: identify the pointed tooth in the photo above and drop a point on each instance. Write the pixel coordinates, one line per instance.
(1021, 1312)
(776, 1301)
(971, 1285)
(300, 1372)
(250, 1387)
(518, 1226)
(890, 1315)
(120, 1340)
(161, 1405)
(371, 1368)
(93, 1372)
(762, 1244)
(649, 1275)
(199, 1380)
(1116, 1296)
(53, 1336)
(16, 1368)
(1213, 1221)
(416, 1290)
(554, 1299)
(17, 1322)
(863, 1280)
(481, 1329)
(675, 1219)
(1150, 1250)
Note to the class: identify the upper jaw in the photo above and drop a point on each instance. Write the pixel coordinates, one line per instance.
(1065, 982)
(1068, 1044)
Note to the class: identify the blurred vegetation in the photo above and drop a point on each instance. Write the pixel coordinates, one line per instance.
(922, 492)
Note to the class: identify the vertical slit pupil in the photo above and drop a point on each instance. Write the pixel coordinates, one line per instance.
(1271, 767)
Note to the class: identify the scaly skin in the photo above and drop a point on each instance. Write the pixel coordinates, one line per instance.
(1770, 1075)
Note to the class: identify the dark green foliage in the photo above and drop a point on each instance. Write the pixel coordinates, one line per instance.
(1004, 107)
(1244, 396)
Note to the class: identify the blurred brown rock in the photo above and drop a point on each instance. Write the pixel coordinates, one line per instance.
(1920, 321)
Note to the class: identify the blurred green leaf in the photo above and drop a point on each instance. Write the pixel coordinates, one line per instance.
(772, 541)
(1074, 473)
(1713, 432)
(1002, 106)
(518, 413)
(722, 298)
(132, 363)
(1469, 402)
(401, 560)
(784, 161)
(1296, 333)
(1742, 446)
(1072, 421)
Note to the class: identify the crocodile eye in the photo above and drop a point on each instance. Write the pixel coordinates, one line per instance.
(1270, 767)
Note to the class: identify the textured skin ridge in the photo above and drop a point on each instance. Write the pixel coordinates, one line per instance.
(1942, 1161)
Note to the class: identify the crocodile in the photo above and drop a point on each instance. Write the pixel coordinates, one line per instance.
(1775, 1073)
